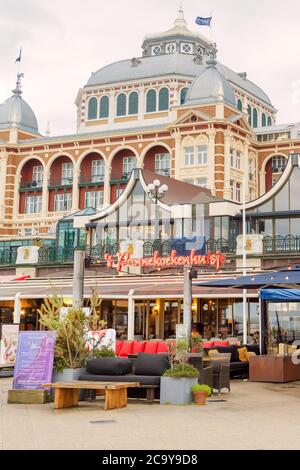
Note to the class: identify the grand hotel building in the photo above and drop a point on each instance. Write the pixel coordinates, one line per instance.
(174, 110)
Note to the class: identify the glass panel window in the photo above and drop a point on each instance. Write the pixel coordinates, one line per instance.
(129, 163)
(156, 50)
(255, 118)
(279, 163)
(231, 190)
(37, 175)
(202, 155)
(183, 94)
(151, 101)
(238, 160)
(239, 105)
(92, 108)
(163, 164)
(202, 182)
(94, 199)
(163, 99)
(232, 158)
(187, 48)
(189, 180)
(63, 202)
(104, 107)
(133, 103)
(263, 120)
(238, 192)
(121, 105)
(98, 169)
(189, 156)
(33, 204)
(119, 191)
(251, 170)
(66, 173)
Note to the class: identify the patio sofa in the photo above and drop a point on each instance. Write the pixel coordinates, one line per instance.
(238, 368)
(126, 348)
(146, 369)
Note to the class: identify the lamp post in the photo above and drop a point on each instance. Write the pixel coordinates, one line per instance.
(156, 191)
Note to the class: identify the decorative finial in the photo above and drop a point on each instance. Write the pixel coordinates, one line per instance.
(212, 57)
(17, 91)
(180, 21)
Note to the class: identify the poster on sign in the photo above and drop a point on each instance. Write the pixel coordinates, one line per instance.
(8, 344)
(34, 361)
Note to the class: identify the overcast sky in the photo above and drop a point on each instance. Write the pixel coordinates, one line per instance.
(65, 40)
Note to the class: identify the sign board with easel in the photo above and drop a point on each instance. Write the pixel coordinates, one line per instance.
(33, 367)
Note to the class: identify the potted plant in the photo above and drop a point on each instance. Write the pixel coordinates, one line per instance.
(71, 352)
(196, 343)
(176, 383)
(201, 392)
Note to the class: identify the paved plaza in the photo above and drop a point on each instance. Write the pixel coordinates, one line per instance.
(252, 416)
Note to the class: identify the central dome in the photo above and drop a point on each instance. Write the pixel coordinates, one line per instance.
(209, 86)
(15, 112)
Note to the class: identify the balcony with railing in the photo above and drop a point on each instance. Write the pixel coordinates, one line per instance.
(34, 185)
(58, 183)
(91, 180)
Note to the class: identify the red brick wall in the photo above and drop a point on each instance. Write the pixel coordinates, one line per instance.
(56, 167)
(269, 175)
(113, 191)
(117, 163)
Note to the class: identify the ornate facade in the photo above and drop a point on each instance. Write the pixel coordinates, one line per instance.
(175, 110)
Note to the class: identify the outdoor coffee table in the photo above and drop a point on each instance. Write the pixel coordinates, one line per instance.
(66, 393)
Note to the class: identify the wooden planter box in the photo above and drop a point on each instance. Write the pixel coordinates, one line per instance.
(276, 369)
(28, 397)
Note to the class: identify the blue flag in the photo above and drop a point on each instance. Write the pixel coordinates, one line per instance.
(203, 21)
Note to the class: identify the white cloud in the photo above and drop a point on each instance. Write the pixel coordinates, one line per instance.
(65, 40)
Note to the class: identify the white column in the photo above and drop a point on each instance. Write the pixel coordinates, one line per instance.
(111, 114)
(227, 165)
(178, 140)
(141, 104)
(246, 170)
(3, 171)
(78, 279)
(106, 195)
(75, 189)
(45, 193)
(17, 308)
(130, 324)
(211, 159)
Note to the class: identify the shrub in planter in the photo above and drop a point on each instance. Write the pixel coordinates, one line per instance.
(201, 392)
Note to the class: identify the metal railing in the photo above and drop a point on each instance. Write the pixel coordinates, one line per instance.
(57, 255)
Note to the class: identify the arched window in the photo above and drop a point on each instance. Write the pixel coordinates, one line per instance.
(163, 99)
(121, 105)
(92, 110)
(249, 115)
(255, 118)
(151, 101)
(263, 120)
(270, 122)
(239, 105)
(133, 103)
(183, 94)
(104, 107)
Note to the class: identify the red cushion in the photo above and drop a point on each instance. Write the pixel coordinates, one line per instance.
(118, 347)
(138, 347)
(162, 347)
(208, 344)
(151, 347)
(221, 344)
(126, 348)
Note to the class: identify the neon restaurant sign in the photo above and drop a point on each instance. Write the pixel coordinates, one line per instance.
(126, 260)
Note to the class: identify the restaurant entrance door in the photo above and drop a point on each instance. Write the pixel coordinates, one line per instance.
(172, 315)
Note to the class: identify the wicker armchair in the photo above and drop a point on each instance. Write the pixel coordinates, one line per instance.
(221, 371)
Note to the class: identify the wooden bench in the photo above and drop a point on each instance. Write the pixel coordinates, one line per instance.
(66, 393)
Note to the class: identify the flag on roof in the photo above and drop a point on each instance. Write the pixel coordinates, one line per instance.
(203, 21)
